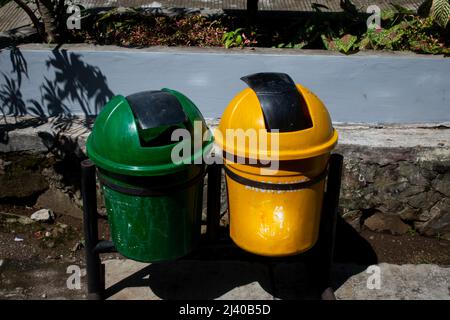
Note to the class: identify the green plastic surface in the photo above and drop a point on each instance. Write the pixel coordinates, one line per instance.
(157, 227)
(115, 144)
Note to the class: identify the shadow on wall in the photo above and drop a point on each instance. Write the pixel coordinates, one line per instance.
(74, 82)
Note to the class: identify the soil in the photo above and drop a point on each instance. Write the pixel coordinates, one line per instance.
(34, 257)
(36, 267)
(411, 248)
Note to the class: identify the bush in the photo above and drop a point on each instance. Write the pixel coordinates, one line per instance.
(134, 29)
(345, 32)
(410, 32)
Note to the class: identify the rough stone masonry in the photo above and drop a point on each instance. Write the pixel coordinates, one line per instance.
(399, 176)
(396, 177)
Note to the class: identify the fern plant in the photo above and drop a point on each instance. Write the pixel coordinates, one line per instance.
(439, 10)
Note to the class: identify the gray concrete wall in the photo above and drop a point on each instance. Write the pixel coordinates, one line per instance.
(360, 88)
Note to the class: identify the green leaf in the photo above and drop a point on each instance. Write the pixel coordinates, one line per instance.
(346, 43)
(365, 43)
(440, 11)
(328, 43)
(299, 45)
(387, 15)
(228, 43)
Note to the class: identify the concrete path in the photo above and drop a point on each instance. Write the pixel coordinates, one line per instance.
(246, 280)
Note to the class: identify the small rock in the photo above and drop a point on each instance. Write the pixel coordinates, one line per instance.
(356, 224)
(1, 262)
(122, 10)
(25, 220)
(442, 183)
(383, 222)
(44, 296)
(50, 244)
(56, 232)
(43, 215)
(21, 220)
(48, 234)
(77, 246)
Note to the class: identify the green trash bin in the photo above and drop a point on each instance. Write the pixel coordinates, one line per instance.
(154, 203)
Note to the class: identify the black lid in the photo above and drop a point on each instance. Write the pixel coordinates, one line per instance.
(283, 106)
(153, 109)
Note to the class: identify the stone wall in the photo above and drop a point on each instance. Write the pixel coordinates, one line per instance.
(43, 180)
(40, 163)
(386, 188)
(396, 178)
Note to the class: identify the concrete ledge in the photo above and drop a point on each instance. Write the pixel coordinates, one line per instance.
(26, 133)
(219, 50)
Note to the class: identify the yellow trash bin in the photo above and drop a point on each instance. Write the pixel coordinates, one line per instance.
(275, 206)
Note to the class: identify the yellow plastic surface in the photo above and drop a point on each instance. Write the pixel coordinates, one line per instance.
(276, 222)
(244, 112)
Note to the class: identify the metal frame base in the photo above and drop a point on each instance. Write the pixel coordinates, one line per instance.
(320, 263)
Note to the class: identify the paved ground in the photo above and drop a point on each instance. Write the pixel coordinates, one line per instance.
(37, 267)
(244, 280)
(11, 16)
(405, 282)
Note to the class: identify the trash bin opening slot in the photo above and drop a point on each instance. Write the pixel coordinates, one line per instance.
(157, 115)
(283, 106)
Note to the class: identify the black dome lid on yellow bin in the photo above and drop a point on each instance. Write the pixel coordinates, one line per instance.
(286, 111)
(283, 107)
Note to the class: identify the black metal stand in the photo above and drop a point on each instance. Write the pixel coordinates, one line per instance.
(322, 258)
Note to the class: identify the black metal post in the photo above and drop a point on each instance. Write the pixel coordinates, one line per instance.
(213, 201)
(328, 225)
(93, 263)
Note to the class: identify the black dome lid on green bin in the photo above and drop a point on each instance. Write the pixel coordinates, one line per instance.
(123, 134)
